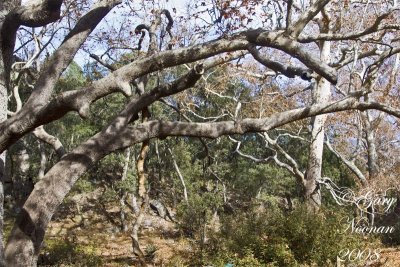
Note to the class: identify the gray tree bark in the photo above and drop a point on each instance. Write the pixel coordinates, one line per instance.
(123, 194)
(373, 168)
(3, 116)
(5, 63)
(21, 184)
(38, 13)
(321, 95)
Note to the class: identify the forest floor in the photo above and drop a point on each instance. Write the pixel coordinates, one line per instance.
(96, 235)
(390, 257)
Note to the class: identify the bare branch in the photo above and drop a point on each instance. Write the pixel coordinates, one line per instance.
(250, 157)
(178, 171)
(375, 27)
(27, 118)
(306, 17)
(42, 135)
(170, 21)
(288, 71)
(292, 165)
(293, 48)
(36, 14)
(36, 111)
(289, 5)
(60, 60)
(102, 62)
(348, 163)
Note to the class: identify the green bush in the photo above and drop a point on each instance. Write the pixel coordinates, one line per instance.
(177, 261)
(231, 260)
(277, 239)
(392, 239)
(194, 215)
(150, 251)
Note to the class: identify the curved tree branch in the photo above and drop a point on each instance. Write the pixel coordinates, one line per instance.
(26, 119)
(288, 71)
(34, 15)
(306, 17)
(348, 163)
(375, 27)
(44, 136)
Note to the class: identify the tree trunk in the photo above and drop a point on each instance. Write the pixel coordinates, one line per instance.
(321, 95)
(21, 183)
(373, 169)
(43, 161)
(123, 194)
(27, 235)
(313, 174)
(143, 196)
(135, 232)
(6, 49)
(178, 171)
(3, 116)
(371, 146)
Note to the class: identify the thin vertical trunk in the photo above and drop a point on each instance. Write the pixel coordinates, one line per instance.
(124, 194)
(321, 95)
(178, 171)
(3, 116)
(142, 181)
(21, 183)
(124, 225)
(371, 147)
(143, 197)
(372, 163)
(134, 201)
(142, 176)
(141, 171)
(135, 232)
(43, 161)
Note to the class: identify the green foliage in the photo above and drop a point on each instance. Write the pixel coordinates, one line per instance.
(177, 261)
(108, 196)
(391, 219)
(193, 216)
(72, 79)
(150, 251)
(280, 239)
(67, 253)
(231, 260)
(83, 185)
(74, 75)
(110, 171)
(338, 172)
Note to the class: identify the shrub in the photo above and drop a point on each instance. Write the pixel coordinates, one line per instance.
(392, 239)
(194, 215)
(150, 251)
(229, 259)
(278, 239)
